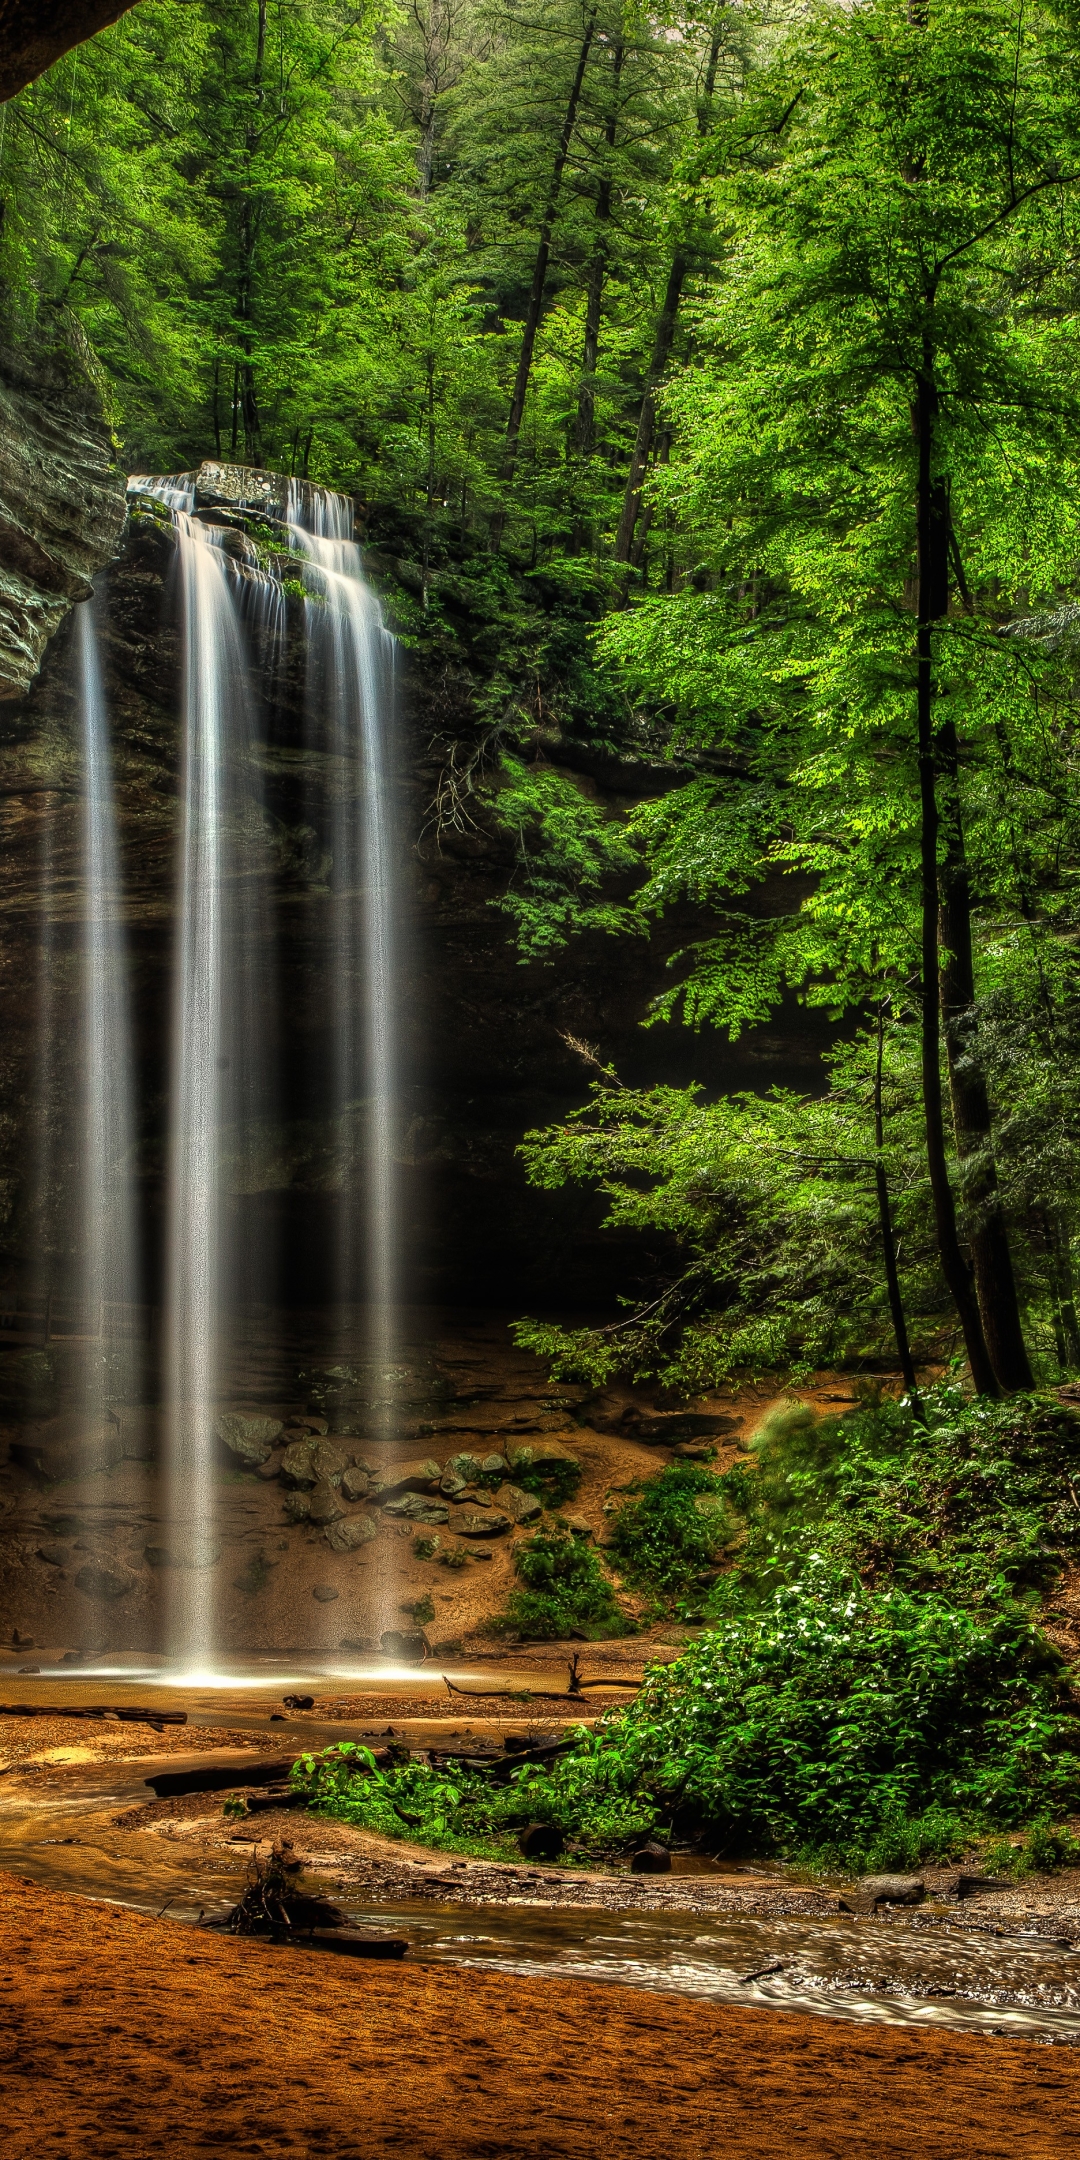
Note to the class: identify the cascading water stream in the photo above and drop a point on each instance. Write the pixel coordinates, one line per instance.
(350, 717)
(109, 1251)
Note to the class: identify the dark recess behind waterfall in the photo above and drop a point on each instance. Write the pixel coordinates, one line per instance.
(484, 1057)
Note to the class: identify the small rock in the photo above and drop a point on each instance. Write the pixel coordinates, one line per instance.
(298, 1426)
(325, 1593)
(494, 1466)
(651, 1859)
(28, 1668)
(355, 1483)
(55, 1555)
(324, 1504)
(893, 1889)
(297, 1506)
(693, 1451)
(541, 1841)
(521, 1506)
(251, 1437)
(578, 1526)
(349, 1535)
(357, 1642)
(97, 1580)
(271, 1468)
(481, 1522)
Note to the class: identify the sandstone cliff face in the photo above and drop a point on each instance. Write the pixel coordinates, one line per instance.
(61, 499)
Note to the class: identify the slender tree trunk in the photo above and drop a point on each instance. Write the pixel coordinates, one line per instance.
(988, 1237)
(586, 420)
(933, 583)
(888, 1234)
(543, 252)
(663, 340)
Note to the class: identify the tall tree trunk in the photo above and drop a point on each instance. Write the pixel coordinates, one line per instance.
(995, 1283)
(663, 340)
(586, 417)
(888, 1234)
(543, 251)
(933, 583)
(250, 221)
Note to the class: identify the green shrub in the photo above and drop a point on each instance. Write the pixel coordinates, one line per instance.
(566, 1592)
(1046, 1847)
(425, 1548)
(554, 1483)
(665, 1538)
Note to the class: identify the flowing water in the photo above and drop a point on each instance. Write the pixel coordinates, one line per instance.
(948, 1972)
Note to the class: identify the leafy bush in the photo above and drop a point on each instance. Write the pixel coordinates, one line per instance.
(1047, 1846)
(665, 1538)
(552, 1482)
(975, 1502)
(461, 1811)
(566, 1592)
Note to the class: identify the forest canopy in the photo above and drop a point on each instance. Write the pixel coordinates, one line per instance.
(718, 364)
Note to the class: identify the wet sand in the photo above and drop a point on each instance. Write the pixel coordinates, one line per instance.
(127, 2036)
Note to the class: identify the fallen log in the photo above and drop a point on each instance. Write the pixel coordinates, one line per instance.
(159, 1718)
(172, 1784)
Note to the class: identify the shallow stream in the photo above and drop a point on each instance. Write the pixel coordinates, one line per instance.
(949, 1969)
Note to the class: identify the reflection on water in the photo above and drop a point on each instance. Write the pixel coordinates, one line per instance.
(949, 1976)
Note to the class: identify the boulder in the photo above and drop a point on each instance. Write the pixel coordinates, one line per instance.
(297, 1427)
(355, 1483)
(893, 1889)
(421, 1476)
(70, 1447)
(330, 1460)
(494, 1466)
(481, 1522)
(651, 1859)
(325, 1593)
(248, 1434)
(464, 1470)
(522, 1507)
(188, 1552)
(348, 1536)
(538, 1453)
(410, 1647)
(324, 1504)
(417, 1507)
(578, 1527)
(541, 1841)
(297, 1467)
(683, 1425)
(271, 1468)
(104, 1579)
(297, 1507)
(55, 1555)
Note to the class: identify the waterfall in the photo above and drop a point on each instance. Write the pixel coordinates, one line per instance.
(217, 1054)
(109, 1258)
(350, 700)
(223, 1026)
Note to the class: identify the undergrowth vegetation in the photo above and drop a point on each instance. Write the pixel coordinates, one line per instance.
(871, 1689)
(565, 1592)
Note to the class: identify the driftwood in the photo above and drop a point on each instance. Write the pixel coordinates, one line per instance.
(575, 1688)
(171, 1784)
(158, 1718)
